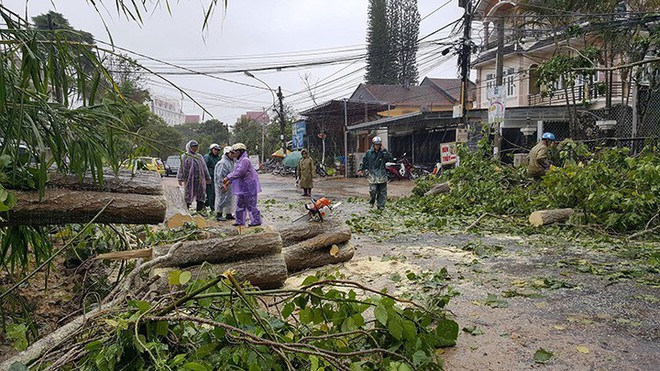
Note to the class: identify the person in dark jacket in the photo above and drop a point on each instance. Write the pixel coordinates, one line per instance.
(373, 166)
(211, 160)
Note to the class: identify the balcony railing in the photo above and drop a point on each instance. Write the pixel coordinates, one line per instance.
(582, 93)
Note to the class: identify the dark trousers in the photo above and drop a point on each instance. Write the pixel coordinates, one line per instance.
(210, 196)
(378, 193)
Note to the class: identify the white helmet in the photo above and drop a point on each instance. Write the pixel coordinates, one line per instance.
(377, 140)
(214, 146)
(227, 149)
(238, 146)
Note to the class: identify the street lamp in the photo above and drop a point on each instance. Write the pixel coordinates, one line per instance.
(263, 135)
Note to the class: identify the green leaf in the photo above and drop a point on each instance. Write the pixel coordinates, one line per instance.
(185, 277)
(409, 330)
(381, 314)
(17, 366)
(18, 333)
(173, 277)
(309, 280)
(395, 327)
(162, 327)
(446, 333)
(419, 357)
(195, 366)
(543, 356)
(287, 310)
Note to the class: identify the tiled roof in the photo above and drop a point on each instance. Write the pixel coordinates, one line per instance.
(258, 116)
(405, 95)
(451, 87)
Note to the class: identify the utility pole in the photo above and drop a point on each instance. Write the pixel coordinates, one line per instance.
(281, 113)
(499, 78)
(466, 51)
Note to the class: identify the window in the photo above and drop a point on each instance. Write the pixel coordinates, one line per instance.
(509, 82)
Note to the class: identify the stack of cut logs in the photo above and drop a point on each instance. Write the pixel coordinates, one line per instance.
(263, 258)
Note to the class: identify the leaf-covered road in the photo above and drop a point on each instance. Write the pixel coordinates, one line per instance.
(591, 304)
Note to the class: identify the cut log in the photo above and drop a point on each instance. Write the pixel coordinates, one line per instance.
(62, 206)
(545, 217)
(142, 182)
(265, 272)
(176, 204)
(222, 250)
(333, 254)
(125, 255)
(298, 232)
(297, 256)
(438, 188)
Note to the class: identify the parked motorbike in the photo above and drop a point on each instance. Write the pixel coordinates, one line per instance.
(398, 170)
(320, 170)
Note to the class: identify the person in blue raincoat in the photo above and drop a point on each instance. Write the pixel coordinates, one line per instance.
(245, 186)
(193, 175)
(373, 164)
(224, 199)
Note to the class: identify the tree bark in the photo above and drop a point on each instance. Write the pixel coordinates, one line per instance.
(545, 217)
(438, 188)
(142, 182)
(222, 250)
(63, 206)
(303, 231)
(297, 261)
(265, 272)
(298, 256)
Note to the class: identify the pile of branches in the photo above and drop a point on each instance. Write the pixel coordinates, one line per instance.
(327, 322)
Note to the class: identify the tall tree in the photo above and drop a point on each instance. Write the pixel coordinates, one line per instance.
(392, 35)
(407, 42)
(378, 46)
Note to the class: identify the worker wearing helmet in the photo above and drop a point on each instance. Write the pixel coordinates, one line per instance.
(211, 160)
(539, 161)
(373, 166)
(245, 186)
(224, 199)
(193, 175)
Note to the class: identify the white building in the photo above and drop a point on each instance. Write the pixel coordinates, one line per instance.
(168, 109)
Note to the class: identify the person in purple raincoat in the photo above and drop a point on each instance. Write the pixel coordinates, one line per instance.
(193, 175)
(245, 186)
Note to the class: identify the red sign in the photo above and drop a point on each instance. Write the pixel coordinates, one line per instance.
(448, 153)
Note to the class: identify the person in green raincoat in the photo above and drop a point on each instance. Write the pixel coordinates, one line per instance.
(306, 172)
(373, 166)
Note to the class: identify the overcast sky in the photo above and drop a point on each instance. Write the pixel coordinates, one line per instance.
(248, 35)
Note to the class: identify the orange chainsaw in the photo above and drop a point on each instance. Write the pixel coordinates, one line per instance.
(317, 210)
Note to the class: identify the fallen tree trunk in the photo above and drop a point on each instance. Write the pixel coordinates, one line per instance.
(326, 255)
(63, 206)
(265, 272)
(142, 182)
(545, 217)
(303, 231)
(438, 188)
(222, 250)
(298, 255)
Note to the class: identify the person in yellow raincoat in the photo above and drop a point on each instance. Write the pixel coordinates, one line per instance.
(306, 173)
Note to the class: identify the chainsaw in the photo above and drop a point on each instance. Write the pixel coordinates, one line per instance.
(317, 210)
